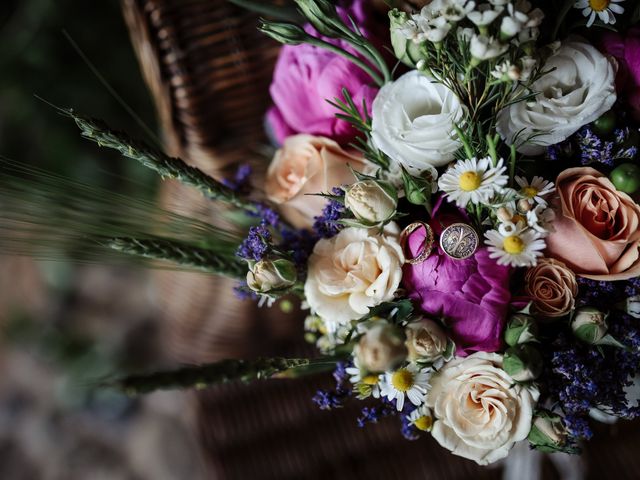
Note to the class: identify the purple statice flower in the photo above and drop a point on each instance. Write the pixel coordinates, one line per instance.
(327, 224)
(300, 244)
(375, 413)
(407, 429)
(256, 245)
(266, 214)
(591, 148)
(240, 179)
(330, 399)
(243, 292)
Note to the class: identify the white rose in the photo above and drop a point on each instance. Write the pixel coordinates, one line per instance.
(480, 411)
(369, 201)
(413, 122)
(578, 91)
(355, 270)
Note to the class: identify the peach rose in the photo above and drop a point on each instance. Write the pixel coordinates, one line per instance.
(552, 287)
(304, 165)
(596, 229)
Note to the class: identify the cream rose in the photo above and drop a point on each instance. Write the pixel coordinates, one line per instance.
(413, 122)
(578, 91)
(480, 411)
(352, 272)
(305, 165)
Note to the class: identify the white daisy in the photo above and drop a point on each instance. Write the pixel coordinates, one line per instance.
(473, 180)
(604, 9)
(536, 190)
(421, 418)
(364, 384)
(410, 381)
(515, 245)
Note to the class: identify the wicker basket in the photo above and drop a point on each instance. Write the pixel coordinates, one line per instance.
(209, 70)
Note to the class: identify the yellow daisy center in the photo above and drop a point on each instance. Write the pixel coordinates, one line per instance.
(424, 423)
(470, 181)
(513, 245)
(370, 379)
(402, 380)
(599, 5)
(530, 192)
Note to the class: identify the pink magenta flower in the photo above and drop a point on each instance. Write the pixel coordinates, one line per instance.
(305, 77)
(626, 50)
(471, 296)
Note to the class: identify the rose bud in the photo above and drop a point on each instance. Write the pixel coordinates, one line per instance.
(381, 348)
(521, 328)
(523, 363)
(425, 340)
(371, 201)
(417, 190)
(589, 325)
(548, 434)
(267, 276)
(286, 33)
(632, 306)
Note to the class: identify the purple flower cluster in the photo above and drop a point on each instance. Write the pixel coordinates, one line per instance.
(257, 243)
(375, 413)
(327, 225)
(330, 399)
(240, 180)
(580, 377)
(592, 148)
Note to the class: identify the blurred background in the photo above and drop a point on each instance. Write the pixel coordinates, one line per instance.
(61, 328)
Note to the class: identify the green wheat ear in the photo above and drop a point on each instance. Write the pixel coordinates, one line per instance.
(181, 254)
(164, 165)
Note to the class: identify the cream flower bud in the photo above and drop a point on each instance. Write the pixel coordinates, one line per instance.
(371, 201)
(267, 276)
(632, 306)
(589, 325)
(403, 33)
(548, 434)
(425, 340)
(523, 363)
(528, 65)
(381, 348)
(521, 328)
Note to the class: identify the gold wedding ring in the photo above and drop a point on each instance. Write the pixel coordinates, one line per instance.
(426, 247)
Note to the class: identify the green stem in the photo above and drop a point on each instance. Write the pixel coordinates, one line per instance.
(181, 254)
(465, 142)
(568, 4)
(166, 166)
(512, 164)
(225, 371)
(355, 60)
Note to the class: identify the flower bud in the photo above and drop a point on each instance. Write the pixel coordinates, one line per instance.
(286, 33)
(371, 201)
(381, 348)
(548, 434)
(425, 340)
(417, 190)
(405, 49)
(504, 215)
(523, 363)
(521, 328)
(267, 276)
(322, 15)
(524, 205)
(633, 306)
(589, 325)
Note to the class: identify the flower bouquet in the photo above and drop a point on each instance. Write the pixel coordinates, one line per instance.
(453, 200)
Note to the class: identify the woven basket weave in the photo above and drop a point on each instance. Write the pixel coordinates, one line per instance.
(208, 70)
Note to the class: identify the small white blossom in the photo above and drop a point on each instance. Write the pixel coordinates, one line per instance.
(486, 48)
(464, 34)
(536, 190)
(473, 180)
(515, 245)
(484, 15)
(506, 71)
